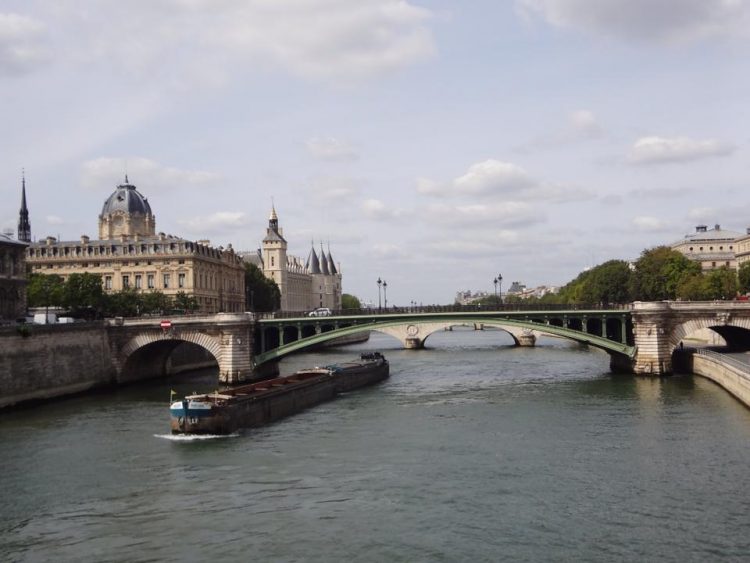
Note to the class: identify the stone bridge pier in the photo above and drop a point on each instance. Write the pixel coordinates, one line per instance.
(659, 327)
(141, 347)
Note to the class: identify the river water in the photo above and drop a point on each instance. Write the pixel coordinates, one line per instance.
(472, 451)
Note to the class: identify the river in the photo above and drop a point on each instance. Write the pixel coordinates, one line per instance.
(473, 450)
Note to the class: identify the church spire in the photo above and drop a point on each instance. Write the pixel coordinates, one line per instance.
(24, 227)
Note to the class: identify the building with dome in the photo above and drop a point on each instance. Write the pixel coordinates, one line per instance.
(129, 253)
(712, 248)
(304, 284)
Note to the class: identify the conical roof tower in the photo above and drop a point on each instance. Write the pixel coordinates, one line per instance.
(24, 227)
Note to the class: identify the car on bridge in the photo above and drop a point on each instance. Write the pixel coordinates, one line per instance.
(320, 312)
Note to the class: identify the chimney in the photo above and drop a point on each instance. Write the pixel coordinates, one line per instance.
(84, 239)
(700, 229)
(717, 227)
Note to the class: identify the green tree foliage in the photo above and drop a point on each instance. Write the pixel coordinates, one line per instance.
(45, 290)
(350, 302)
(185, 302)
(125, 303)
(659, 272)
(155, 302)
(83, 294)
(606, 283)
(744, 278)
(721, 283)
(261, 294)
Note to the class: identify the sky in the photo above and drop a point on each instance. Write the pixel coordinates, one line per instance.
(434, 145)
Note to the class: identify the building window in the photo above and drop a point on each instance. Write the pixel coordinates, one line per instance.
(166, 281)
(713, 264)
(138, 284)
(180, 280)
(107, 282)
(150, 281)
(125, 282)
(272, 261)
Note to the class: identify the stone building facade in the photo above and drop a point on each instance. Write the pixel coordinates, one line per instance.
(713, 248)
(12, 278)
(304, 285)
(131, 254)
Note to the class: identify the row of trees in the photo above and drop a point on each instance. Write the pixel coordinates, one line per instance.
(659, 273)
(82, 296)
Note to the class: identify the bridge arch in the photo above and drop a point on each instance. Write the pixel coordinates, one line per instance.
(146, 355)
(413, 330)
(735, 331)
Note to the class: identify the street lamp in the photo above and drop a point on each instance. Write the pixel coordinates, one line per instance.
(385, 294)
(380, 283)
(495, 282)
(500, 283)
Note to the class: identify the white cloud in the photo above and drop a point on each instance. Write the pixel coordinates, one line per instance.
(584, 125)
(333, 188)
(105, 173)
(216, 223)
(22, 44)
(335, 39)
(329, 148)
(502, 214)
(651, 20)
(377, 210)
(650, 224)
(486, 178)
(702, 213)
(657, 150)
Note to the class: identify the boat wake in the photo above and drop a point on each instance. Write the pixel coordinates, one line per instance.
(194, 437)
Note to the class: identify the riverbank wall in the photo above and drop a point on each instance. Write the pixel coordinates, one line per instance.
(40, 362)
(732, 375)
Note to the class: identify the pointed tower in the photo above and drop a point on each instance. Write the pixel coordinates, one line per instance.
(24, 227)
(323, 261)
(274, 256)
(313, 264)
(331, 264)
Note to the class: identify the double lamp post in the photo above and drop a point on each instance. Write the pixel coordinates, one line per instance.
(384, 285)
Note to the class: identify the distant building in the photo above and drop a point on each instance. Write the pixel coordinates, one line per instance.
(712, 248)
(468, 297)
(12, 278)
(516, 288)
(130, 254)
(304, 285)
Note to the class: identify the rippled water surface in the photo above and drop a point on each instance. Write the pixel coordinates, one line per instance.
(472, 451)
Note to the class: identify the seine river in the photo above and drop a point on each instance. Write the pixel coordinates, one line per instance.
(472, 451)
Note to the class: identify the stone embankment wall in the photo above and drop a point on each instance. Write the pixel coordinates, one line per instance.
(52, 361)
(731, 377)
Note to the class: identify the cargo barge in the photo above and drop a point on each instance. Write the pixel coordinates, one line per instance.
(255, 404)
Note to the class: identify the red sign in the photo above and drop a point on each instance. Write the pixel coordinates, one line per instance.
(166, 324)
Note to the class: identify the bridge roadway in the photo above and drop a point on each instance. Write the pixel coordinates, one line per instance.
(640, 337)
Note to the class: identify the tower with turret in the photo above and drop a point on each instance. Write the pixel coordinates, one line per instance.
(274, 256)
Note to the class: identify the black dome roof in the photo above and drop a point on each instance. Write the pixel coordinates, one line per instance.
(126, 199)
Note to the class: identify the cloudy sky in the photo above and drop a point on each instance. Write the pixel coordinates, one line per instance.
(434, 144)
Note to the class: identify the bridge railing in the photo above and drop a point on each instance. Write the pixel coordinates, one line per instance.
(426, 309)
(724, 359)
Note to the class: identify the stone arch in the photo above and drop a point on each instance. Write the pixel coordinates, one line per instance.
(736, 331)
(162, 344)
(414, 335)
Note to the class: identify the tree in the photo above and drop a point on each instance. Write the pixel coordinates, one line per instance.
(659, 272)
(350, 302)
(261, 294)
(744, 278)
(155, 302)
(124, 303)
(185, 302)
(83, 294)
(45, 290)
(606, 283)
(721, 283)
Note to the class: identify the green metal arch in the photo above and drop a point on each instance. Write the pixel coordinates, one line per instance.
(578, 336)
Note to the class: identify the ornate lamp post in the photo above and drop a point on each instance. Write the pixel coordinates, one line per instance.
(380, 283)
(385, 294)
(495, 282)
(500, 283)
